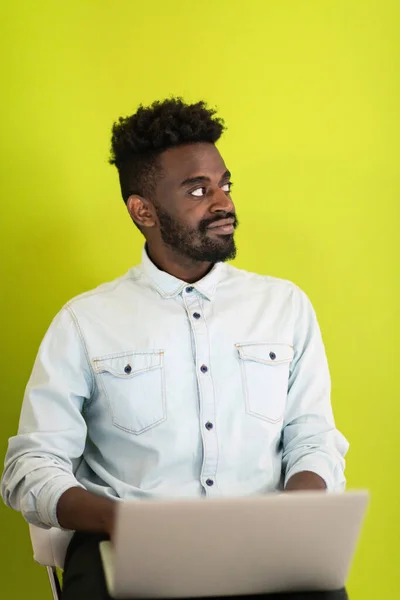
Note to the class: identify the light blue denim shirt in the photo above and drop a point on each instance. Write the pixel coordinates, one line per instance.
(148, 387)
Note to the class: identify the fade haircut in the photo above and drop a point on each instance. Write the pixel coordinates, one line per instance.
(137, 141)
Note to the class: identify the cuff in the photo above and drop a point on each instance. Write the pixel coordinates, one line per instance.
(334, 480)
(49, 496)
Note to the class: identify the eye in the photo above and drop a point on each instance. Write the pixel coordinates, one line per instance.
(227, 187)
(198, 192)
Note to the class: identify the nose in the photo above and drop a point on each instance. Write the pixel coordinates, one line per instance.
(221, 202)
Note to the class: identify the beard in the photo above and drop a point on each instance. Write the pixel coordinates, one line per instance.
(196, 244)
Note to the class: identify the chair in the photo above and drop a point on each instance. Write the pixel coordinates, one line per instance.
(49, 549)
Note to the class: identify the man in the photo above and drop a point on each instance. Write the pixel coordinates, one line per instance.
(184, 378)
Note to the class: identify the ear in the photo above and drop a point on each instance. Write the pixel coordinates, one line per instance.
(141, 211)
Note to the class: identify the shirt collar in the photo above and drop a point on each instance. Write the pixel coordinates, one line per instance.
(169, 286)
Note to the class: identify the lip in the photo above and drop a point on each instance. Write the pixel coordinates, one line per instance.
(223, 226)
(222, 229)
(221, 223)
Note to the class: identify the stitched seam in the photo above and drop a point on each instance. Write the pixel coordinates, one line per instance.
(247, 398)
(126, 353)
(80, 333)
(144, 429)
(128, 375)
(198, 387)
(159, 289)
(90, 293)
(244, 344)
(295, 288)
(215, 407)
(246, 356)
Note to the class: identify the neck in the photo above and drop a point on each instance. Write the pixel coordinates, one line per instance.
(183, 268)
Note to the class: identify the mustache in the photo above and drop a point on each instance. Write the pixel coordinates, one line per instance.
(205, 223)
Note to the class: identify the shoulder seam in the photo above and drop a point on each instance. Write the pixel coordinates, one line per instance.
(96, 291)
(79, 330)
(266, 278)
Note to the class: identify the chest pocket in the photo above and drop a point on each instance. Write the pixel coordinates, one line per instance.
(134, 384)
(265, 376)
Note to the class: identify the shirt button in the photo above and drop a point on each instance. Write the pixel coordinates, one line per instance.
(209, 425)
(203, 369)
(196, 315)
(128, 369)
(209, 482)
(272, 355)
(189, 289)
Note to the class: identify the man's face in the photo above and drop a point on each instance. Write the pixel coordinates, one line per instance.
(196, 215)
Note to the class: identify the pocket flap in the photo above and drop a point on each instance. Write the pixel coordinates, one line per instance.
(129, 364)
(269, 354)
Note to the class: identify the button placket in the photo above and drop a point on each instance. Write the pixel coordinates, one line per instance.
(195, 308)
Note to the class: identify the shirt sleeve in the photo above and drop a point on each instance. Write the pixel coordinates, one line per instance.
(43, 456)
(311, 441)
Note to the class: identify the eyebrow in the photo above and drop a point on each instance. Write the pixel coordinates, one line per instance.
(203, 179)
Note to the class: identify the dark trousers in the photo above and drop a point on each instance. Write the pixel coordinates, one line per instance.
(84, 579)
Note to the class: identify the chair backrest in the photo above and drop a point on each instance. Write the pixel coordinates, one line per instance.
(49, 545)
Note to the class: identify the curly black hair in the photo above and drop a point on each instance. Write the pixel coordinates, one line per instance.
(138, 140)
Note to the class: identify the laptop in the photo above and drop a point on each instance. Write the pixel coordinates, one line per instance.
(238, 546)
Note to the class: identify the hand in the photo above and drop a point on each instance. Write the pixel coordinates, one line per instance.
(111, 520)
(80, 510)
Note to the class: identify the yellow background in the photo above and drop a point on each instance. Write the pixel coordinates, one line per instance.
(310, 93)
